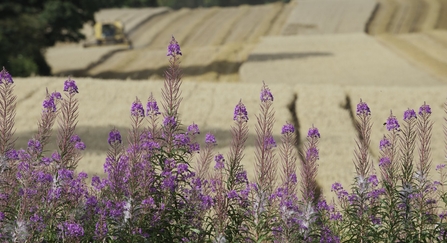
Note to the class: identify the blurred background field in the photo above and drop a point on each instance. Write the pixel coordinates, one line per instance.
(319, 57)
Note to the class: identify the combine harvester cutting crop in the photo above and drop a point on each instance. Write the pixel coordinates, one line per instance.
(109, 33)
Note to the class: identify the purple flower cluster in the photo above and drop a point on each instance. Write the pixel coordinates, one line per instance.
(363, 109)
(49, 104)
(174, 48)
(240, 113)
(288, 128)
(313, 133)
(152, 107)
(409, 114)
(220, 162)
(70, 86)
(114, 137)
(210, 139)
(384, 143)
(5, 76)
(193, 129)
(266, 95)
(137, 109)
(424, 109)
(392, 123)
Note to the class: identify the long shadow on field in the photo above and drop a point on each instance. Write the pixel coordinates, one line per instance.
(95, 138)
(280, 56)
(219, 67)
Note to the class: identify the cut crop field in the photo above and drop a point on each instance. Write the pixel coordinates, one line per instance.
(319, 57)
(217, 40)
(331, 108)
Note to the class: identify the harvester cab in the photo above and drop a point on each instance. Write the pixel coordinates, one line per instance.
(109, 33)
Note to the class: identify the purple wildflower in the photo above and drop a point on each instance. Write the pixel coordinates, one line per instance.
(313, 132)
(384, 143)
(240, 112)
(174, 48)
(169, 121)
(34, 145)
(12, 154)
(114, 137)
(49, 105)
(266, 94)
(219, 162)
(152, 107)
(363, 109)
(2, 216)
(241, 177)
(210, 139)
(148, 202)
(56, 156)
(96, 183)
(293, 178)
(46, 160)
(339, 191)
(181, 140)
(269, 143)
(392, 123)
(56, 95)
(73, 229)
(80, 146)
(373, 180)
(193, 129)
(182, 168)
(312, 153)
(288, 128)
(70, 86)
(374, 194)
(137, 109)
(424, 109)
(194, 147)
(384, 161)
(232, 194)
(4, 75)
(75, 138)
(409, 114)
(169, 183)
(207, 201)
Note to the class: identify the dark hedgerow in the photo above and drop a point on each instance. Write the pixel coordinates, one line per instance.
(159, 188)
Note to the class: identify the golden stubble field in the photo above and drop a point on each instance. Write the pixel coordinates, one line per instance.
(319, 57)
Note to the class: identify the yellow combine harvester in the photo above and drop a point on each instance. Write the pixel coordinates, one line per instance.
(109, 33)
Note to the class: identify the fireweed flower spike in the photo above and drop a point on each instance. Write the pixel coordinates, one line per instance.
(48, 117)
(174, 48)
(67, 125)
(70, 86)
(137, 109)
(240, 112)
(152, 107)
(362, 161)
(309, 166)
(206, 156)
(171, 93)
(407, 145)
(288, 158)
(114, 137)
(265, 168)
(6, 77)
(8, 105)
(424, 127)
(392, 123)
(265, 93)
